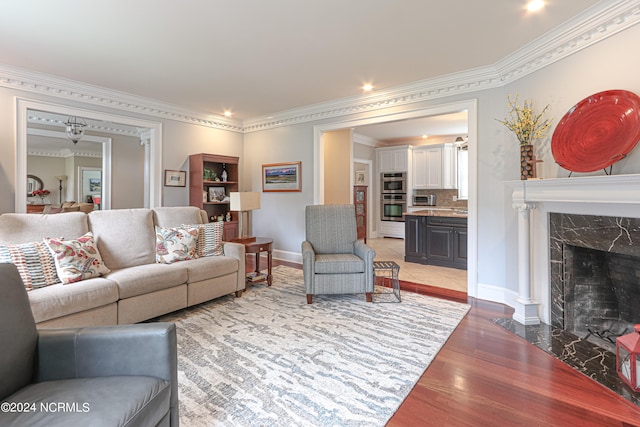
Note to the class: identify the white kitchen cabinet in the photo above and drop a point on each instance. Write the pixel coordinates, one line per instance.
(434, 167)
(393, 159)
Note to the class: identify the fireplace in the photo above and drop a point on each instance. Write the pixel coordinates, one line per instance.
(594, 275)
(578, 257)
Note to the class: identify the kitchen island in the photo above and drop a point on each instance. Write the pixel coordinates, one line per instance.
(436, 236)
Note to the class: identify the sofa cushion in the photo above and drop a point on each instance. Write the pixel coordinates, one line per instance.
(338, 263)
(21, 228)
(176, 244)
(125, 237)
(143, 279)
(34, 261)
(101, 401)
(174, 216)
(210, 267)
(61, 300)
(77, 259)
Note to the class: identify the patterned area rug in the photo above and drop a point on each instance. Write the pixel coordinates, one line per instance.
(268, 358)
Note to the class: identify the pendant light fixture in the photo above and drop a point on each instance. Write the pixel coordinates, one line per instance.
(75, 128)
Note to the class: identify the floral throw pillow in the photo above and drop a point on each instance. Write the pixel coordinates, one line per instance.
(78, 259)
(209, 238)
(176, 244)
(34, 262)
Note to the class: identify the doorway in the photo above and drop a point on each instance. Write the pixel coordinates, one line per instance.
(471, 107)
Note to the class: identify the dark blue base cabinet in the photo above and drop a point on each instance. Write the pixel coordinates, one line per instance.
(438, 241)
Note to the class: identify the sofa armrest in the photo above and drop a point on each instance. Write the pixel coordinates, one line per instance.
(367, 254)
(236, 250)
(146, 349)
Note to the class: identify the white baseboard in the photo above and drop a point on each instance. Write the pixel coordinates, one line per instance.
(497, 294)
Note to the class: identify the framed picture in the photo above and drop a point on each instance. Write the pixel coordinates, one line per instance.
(175, 178)
(360, 177)
(95, 185)
(216, 194)
(282, 177)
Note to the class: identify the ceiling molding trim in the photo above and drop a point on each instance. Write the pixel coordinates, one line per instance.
(365, 140)
(34, 82)
(597, 23)
(603, 20)
(586, 29)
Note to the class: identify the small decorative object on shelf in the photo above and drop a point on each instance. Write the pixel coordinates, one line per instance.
(527, 127)
(628, 358)
(223, 175)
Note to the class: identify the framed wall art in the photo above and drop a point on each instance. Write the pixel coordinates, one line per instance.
(282, 177)
(175, 178)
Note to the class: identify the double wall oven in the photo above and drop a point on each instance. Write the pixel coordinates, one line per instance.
(393, 197)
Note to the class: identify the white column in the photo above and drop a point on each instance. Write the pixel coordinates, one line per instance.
(526, 310)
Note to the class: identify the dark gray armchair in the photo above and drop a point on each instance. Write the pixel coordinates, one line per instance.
(97, 376)
(333, 260)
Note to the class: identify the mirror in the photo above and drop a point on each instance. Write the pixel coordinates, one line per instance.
(139, 137)
(33, 183)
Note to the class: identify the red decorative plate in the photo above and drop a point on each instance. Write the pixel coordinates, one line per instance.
(598, 131)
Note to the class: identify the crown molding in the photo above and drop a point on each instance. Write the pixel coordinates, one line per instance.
(602, 20)
(605, 19)
(34, 82)
(365, 140)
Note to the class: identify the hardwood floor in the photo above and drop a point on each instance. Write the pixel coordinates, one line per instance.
(487, 376)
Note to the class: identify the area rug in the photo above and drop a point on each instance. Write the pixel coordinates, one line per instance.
(269, 358)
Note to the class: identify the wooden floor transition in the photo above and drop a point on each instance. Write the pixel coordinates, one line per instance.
(487, 376)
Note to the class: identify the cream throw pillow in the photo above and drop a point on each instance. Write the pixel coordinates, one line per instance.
(78, 259)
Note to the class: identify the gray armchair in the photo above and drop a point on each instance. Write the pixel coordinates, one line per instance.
(98, 376)
(333, 260)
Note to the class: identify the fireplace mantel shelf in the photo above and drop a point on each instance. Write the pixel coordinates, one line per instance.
(622, 189)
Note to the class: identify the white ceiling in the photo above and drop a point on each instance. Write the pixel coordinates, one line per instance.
(258, 57)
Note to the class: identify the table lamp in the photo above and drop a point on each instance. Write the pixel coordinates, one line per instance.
(243, 202)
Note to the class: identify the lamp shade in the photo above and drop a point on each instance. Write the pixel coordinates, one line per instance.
(244, 201)
(61, 177)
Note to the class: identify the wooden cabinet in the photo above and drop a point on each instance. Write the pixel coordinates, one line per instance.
(414, 239)
(446, 242)
(360, 202)
(438, 241)
(393, 159)
(209, 191)
(434, 167)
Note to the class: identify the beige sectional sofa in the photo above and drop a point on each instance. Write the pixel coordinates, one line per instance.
(137, 288)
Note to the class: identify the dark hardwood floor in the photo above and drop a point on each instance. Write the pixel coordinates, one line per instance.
(487, 376)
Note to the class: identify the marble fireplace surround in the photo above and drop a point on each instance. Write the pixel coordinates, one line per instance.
(534, 200)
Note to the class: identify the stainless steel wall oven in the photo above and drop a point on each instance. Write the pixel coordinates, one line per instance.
(392, 206)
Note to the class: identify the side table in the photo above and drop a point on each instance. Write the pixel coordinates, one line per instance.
(255, 245)
(385, 276)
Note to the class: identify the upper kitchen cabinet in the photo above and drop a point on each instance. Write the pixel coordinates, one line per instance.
(434, 167)
(393, 159)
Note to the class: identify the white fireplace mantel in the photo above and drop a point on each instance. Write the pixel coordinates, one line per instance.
(609, 195)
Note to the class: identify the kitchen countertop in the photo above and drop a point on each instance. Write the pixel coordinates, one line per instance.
(439, 211)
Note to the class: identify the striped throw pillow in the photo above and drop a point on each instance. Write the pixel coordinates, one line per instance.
(209, 238)
(34, 261)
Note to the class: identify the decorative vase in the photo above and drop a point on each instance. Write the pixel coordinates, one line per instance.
(527, 162)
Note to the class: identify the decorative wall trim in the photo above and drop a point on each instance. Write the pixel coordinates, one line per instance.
(597, 23)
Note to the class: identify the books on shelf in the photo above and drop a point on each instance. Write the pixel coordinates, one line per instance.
(256, 277)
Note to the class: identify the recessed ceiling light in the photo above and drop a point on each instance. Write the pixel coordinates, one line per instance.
(535, 5)
(425, 136)
(227, 113)
(367, 87)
